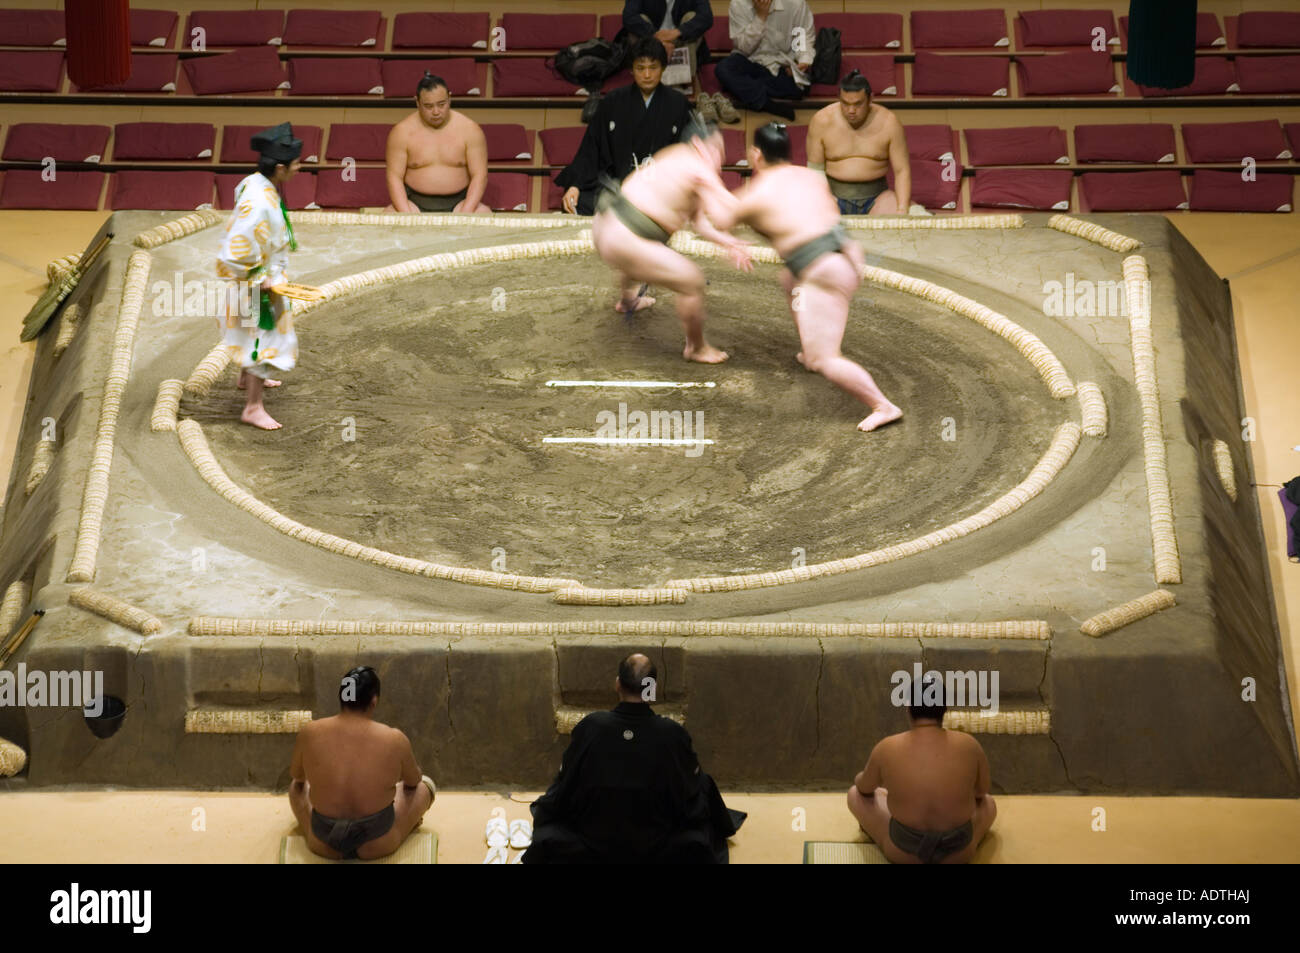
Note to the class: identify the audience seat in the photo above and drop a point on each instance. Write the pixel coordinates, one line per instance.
(1043, 189)
(508, 191)
(1017, 145)
(508, 142)
(236, 28)
(335, 76)
(340, 28)
(1057, 28)
(1225, 191)
(959, 29)
(1159, 190)
(235, 147)
(933, 142)
(167, 141)
(546, 31)
(32, 28)
(1292, 133)
(1268, 74)
(707, 75)
(362, 142)
(930, 188)
(255, 69)
(1261, 140)
(610, 24)
(23, 71)
(1267, 28)
(180, 191)
(449, 31)
(798, 144)
(1214, 76)
(718, 36)
(1065, 74)
(940, 74)
(1125, 142)
(864, 31)
(26, 188)
(368, 190)
(879, 68)
(63, 142)
(1208, 32)
(150, 73)
(529, 78)
(560, 145)
(299, 192)
(153, 28)
(463, 76)
(734, 147)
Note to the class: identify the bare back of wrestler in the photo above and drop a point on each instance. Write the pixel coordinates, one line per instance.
(792, 207)
(679, 185)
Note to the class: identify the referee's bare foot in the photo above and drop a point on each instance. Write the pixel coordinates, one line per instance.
(258, 417)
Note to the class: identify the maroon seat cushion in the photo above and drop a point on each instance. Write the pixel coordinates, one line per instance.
(1022, 188)
(26, 188)
(731, 180)
(798, 144)
(1268, 74)
(708, 77)
(865, 31)
(1292, 133)
(236, 27)
(1125, 142)
(1055, 74)
(932, 142)
(362, 141)
(463, 76)
(1214, 76)
(1261, 140)
(528, 77)
(939, 74)
(718, 36)
(1208, 31)
(733, 141)
(546, 31)
(235, 143)
(1066, 27)
(455, 31)
(332, 28)
(1268, 28)
(256, 69)
(164, 140)
(508, 142)
(335, 76)
(933, 29)
(508, 191)
(299, 192)
(31, 72)
(560, 145)
(610, 24)
(160, 190)
(1216, 191)
(153, 27)
(150, 73)
(369, 189)
(1017, 145)
(1156, 191)
(32, 28)
(879, 68)
(70, 142)
(934, 184)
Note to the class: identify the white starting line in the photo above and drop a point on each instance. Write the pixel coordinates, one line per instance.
(631, 441)
(677, 384)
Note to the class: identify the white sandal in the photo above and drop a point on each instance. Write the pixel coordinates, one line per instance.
(497, 833)
(497, 855)
(521, 834)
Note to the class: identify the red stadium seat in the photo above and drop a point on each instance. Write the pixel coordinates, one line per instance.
(153, 28)
(32, 28)
(1275, 28)
(732, 180)
(31, 72)
(798, 144)
(1214, 77)
(256, 69)
(1045, 189)
(554, 196)
(36, 141)
(933, 142)
(164, 140)
(935, 185)
(508, 142)
(864, 31)
(934, 29)
(26, 188)
(610, 24)
(1055, 28)
(1017, 145)
(449, 31)
(718, 36)
(235, 28)
(939, 74)
(734, 147)
(508, 191)
(150, 73)
(161, 190)
(299, 192)
(463, 76)
(369, 189)
(560, 145)
(1292, 134)
(1058, 74)
(1156, 191)
(1125, 142)
(1268, 74)
(708, 78)
(332, 28)
(546, 31)
(335, 76)
(364, 142)
(879, 68)
(1215, 191)
(235, 146)
(1209, 33)
(531, 78)
(1261, 140)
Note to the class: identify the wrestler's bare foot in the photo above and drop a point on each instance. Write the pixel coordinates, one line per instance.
(799, 357)
(885, 415)
(258, 417)
(243, 381)
(704, 355)
(641, 303)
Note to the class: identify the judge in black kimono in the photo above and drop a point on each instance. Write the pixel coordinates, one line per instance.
(630, 789)
(630, 125)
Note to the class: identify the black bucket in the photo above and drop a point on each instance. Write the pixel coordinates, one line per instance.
(106, 723)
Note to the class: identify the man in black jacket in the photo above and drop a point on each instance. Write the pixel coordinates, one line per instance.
(683, 24)
(631, 124)
(630, 789)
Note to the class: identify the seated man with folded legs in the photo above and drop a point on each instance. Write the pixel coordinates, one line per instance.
(678, 185)
(792, 207)
(630, 789)
(924, 795)
(856, 143)
(436, 158)
(357, 791)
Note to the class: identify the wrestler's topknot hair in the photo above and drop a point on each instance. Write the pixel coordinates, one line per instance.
(855, 82)
(773, 141)
(697, 127)
(429, 81)
(358, 687)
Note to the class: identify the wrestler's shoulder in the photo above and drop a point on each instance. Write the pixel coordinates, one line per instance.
(825, 114)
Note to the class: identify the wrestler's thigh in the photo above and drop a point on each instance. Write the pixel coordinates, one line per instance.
(886, 203)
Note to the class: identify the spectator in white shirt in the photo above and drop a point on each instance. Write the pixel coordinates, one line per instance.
(773, 48)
